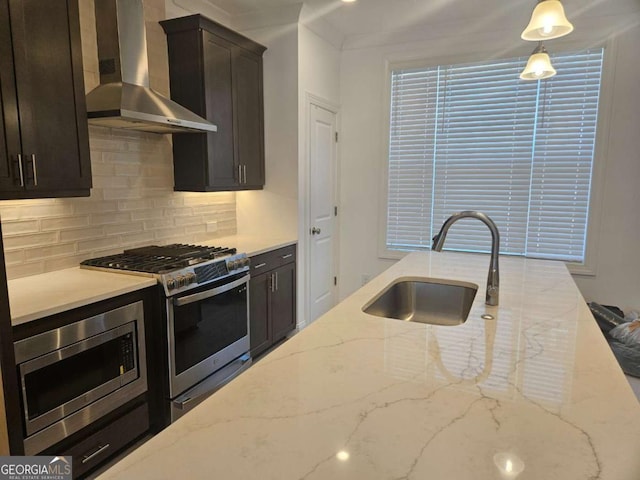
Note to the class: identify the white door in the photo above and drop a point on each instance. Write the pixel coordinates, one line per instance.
(322, 213)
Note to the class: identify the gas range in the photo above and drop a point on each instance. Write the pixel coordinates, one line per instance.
(177, 267)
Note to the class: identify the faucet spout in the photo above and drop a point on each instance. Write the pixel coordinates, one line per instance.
(493, 279)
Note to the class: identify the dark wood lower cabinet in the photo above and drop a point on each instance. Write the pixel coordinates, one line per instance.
(272, 293)
(94, 450)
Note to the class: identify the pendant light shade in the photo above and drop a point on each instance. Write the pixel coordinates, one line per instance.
(547, 21)
(539, 65)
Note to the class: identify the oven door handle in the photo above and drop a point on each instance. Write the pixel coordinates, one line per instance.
(196, 297)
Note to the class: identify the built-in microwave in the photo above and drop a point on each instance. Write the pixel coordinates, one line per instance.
(75, 374)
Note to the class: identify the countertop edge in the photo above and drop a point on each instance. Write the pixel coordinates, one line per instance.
(127, 284)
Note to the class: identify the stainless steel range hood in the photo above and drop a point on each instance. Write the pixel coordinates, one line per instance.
(124, 99)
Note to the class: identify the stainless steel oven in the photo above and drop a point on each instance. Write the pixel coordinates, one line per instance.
(208, 339)
(75, 374)
(205, 292)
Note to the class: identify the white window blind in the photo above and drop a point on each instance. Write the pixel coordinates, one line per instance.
(476, 137)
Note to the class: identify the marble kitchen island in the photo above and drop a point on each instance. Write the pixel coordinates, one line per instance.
(533, 394)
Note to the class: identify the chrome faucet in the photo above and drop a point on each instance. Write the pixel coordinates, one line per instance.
(493, 280)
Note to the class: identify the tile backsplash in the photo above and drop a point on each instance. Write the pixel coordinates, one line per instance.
(132, 202)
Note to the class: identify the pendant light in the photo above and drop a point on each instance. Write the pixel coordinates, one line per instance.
(547, 21)
(539, 65)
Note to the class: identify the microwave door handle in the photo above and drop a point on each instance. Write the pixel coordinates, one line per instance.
(196, 297)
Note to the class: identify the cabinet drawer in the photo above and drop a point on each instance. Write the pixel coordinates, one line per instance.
(273, 259)
(104, 443)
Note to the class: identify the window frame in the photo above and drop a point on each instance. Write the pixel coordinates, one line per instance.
(589, 266)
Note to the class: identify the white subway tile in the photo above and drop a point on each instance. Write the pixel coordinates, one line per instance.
(31, 240)
(14, 257)
(143, 238)
(187, 220)
(102, 169)
(43, 211)
(151, 182)
(129, 227)
(169, 201)
(178, 211)
(17, 227)
(147, 214)
(81, 233)
(109, 218)
(64, 262)
(124, 169)
(121, 194)
(63, 223)
(166, 233)
(159, 223)
(57, 250)
(193, 229)
(24, 270)
(143, 204)
(93, 206)
(112, 182)
(9, 212)
(97, 244)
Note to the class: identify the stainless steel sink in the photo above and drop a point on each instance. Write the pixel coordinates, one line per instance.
(424, 300)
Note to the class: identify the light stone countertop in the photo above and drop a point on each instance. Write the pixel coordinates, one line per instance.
(46, 294)
(252, 244)
(38, 296)
(535, 394)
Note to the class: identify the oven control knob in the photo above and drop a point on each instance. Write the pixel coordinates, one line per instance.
(233, 264)
(246, 262)
(180, 281)
(191, 278)
(171, 284)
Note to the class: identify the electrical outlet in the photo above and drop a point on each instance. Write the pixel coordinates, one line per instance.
(212, 226)
(366, 279)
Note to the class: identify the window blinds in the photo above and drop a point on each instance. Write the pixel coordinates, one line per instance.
(476, 137)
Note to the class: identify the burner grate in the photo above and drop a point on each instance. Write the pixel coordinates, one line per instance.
(159, 259)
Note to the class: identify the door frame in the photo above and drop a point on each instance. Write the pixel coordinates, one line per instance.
(304, 206)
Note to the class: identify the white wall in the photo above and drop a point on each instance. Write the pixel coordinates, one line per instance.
(363, 94)
(617, 280)
(182, 8)
(273, 211)
(319, 76)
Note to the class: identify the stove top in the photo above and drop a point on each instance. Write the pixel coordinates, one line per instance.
(156, 259)
(177, 267)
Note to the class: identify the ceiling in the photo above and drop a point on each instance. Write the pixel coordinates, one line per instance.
(370, 16)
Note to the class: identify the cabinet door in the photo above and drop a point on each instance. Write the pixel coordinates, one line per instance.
(248, 117)
(50, 92)
(283, 301)
(9, 129)
(260, 330)
(219, 105)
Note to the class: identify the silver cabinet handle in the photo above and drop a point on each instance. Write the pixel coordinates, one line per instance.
(273, 283)
(276, 274)
(20, 170)
(100, 449)
(35, 170)
(239, 173)
(260, 265)
(244, 171)
(315, 231)
(284, 257)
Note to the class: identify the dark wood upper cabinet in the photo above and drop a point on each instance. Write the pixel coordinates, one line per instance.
(217, 73)
(44, 138)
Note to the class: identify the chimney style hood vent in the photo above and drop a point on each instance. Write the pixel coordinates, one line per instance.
(124, 99)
